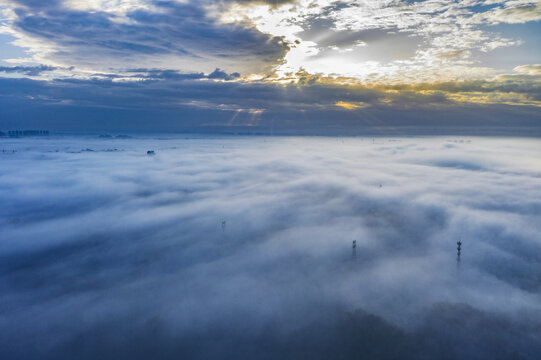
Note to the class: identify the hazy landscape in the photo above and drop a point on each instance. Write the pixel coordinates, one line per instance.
(241, 247)
(270, 179)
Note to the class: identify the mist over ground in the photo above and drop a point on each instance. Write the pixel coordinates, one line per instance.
(107, 252)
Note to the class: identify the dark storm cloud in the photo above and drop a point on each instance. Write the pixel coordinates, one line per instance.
(171, 100)
(221, 75)
(180, 30)
(156, 74)
(116, 254)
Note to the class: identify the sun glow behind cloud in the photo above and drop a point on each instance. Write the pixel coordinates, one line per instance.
(449, 36)
(350, 106)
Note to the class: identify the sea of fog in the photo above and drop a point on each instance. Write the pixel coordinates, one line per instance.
(241, 248)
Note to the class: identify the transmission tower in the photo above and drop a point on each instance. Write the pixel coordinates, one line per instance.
(458, 249)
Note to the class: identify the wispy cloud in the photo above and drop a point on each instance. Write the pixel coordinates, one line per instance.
(448, 35)
(27, 70)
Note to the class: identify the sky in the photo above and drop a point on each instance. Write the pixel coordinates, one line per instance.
(291, 66)
(110, 253)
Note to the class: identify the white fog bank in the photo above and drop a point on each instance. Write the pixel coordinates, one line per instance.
(107, 252)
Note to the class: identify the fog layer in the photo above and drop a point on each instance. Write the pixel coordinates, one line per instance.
(241, 247)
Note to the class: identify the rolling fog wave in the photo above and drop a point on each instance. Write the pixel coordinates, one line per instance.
(241, 247)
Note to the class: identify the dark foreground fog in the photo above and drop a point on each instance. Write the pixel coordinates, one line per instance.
(109, 253)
